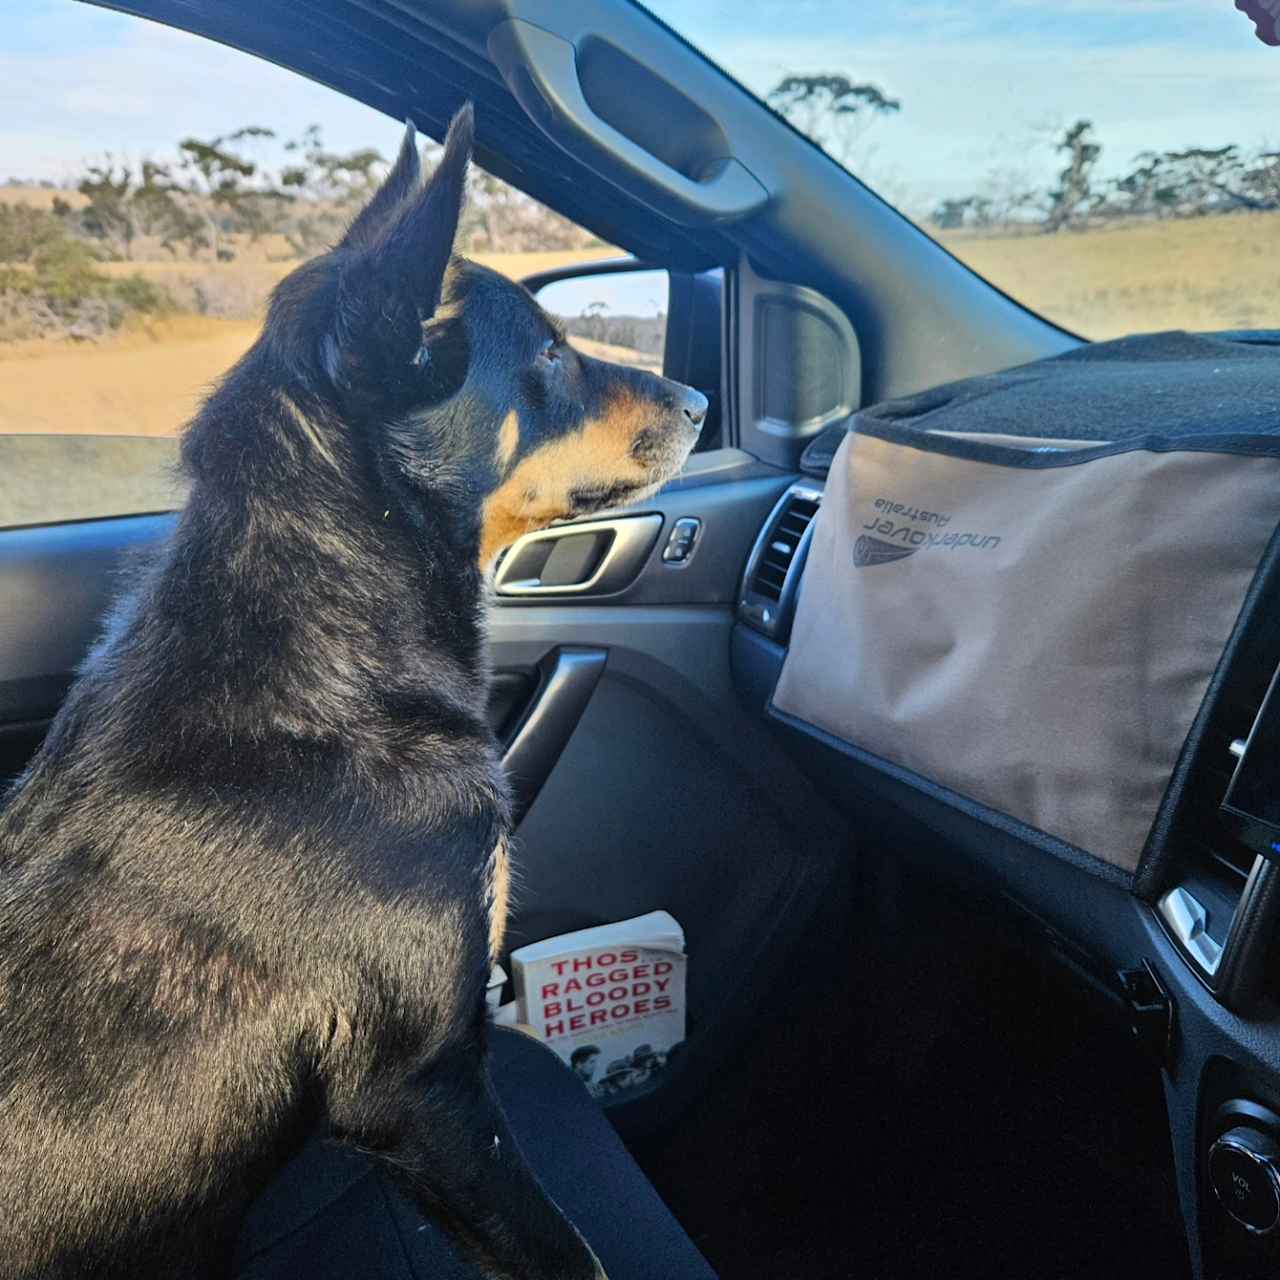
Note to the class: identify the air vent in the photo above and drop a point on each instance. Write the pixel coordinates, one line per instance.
(773, 571)
(780, 548)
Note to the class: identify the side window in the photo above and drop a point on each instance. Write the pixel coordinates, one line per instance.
(142, 227)
(619, 316)
(619, 311)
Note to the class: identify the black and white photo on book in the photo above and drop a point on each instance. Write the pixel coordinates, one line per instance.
(609, 1000)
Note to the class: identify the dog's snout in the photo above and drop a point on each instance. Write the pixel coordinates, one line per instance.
(695, 407)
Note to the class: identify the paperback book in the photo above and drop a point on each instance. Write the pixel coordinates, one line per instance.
(609, 1000)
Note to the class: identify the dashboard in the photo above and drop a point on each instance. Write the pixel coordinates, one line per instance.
(1187, 948)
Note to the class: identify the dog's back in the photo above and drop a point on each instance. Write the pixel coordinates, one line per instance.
(182, 968)
(254, 879)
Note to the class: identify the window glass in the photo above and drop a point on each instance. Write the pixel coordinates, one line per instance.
(154, 187)
(1112, 165)
(619, 315)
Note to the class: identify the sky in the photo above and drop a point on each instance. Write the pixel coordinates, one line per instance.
(77, 81)
(984, 84)
(987, 84)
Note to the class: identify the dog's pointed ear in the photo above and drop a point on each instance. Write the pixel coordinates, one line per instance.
(390, 286)
(404, 179)
(420, 242)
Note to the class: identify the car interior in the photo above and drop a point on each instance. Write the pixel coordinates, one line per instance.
(919, 1040)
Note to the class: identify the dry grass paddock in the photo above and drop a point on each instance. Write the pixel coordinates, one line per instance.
(1195, 273)
(1207, 273)
(149, 378)
(89, 429)
(146, 380)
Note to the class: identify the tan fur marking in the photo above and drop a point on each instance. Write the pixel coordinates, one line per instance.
(508, 440)
(499, 899)
(450, 305)
(308, 429)
(597, 455)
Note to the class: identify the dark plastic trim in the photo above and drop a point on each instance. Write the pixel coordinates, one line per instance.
(591, 267)
(568, 679)
(56, 584)
(1241, 977)
(762, 356)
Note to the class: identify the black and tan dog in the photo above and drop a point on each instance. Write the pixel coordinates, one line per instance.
(255, 877)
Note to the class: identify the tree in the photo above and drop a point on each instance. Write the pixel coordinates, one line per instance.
(961, 211)
(499, 218)
(1261, 180)
(1198, 181)
(333, 187)
(349, 178)
(110, 215)
(1074, 191)
(124, 203)
(831, 109)
(1004, 197)
(1144, 191)
(158, 204)
(228, 185)
(1205, 180)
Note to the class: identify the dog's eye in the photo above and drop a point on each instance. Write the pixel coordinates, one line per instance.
(549, 353)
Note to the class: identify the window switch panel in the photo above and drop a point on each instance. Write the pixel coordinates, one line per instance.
(682, 541)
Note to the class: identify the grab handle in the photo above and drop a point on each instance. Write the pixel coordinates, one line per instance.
(541, 70)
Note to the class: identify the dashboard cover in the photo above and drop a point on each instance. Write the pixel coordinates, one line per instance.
(1031, 622)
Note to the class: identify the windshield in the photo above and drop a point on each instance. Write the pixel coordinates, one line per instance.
(1114, 166)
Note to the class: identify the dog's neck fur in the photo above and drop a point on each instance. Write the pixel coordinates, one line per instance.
(362, 592)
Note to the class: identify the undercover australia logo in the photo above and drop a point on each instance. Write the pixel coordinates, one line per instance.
(896, 531)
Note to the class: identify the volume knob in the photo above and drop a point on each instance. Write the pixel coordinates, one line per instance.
(1244, 1171)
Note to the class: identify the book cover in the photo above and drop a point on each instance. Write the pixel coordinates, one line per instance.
(609, 1000)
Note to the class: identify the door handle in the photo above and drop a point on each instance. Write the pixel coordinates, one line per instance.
(594, 557)
(568, 677)
(541, 71)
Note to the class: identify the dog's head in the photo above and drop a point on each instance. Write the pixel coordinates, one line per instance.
(459, 382)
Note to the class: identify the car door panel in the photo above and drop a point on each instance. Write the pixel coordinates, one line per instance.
(56, 584)
(727, 492)
(667, 796)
